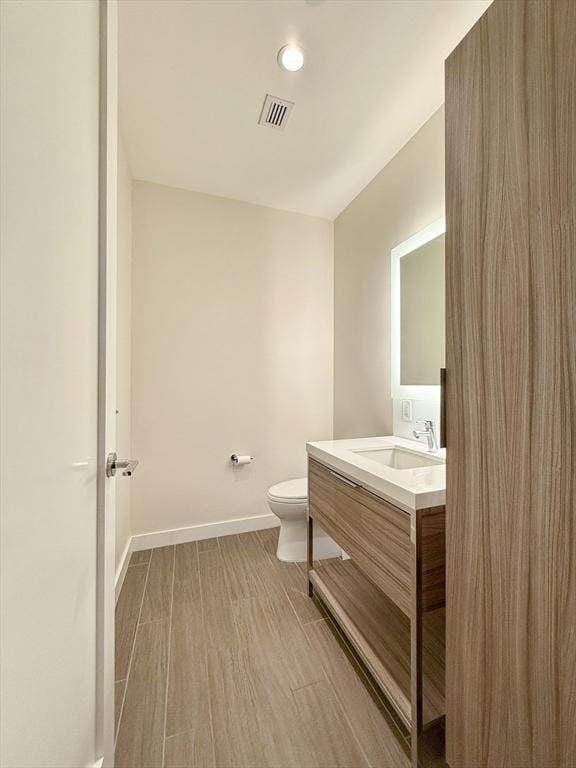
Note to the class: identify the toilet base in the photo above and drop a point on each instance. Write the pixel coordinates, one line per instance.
(293, 542)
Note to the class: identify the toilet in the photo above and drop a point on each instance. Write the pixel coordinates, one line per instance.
(289, 502)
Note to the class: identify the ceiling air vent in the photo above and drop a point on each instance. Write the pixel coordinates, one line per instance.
(275, 112)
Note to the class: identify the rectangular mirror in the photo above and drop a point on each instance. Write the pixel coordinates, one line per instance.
(422, 314)
(418, 313)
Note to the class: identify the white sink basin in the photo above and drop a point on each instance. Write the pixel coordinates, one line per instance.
(399, 458)
(398, 470)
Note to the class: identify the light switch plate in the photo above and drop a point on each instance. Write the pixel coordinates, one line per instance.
(406, 410)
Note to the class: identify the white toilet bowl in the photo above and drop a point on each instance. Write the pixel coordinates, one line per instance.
(289, 502)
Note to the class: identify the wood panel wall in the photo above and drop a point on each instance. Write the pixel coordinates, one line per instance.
(511, 389)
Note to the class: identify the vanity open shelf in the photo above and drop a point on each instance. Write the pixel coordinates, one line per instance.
(380, 634)
(388, 598)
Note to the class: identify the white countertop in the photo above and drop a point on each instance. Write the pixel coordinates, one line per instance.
(409, 489)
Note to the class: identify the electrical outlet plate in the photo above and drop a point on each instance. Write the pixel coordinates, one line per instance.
(406, 410)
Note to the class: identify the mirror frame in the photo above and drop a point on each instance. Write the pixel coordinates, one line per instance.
(408, 391)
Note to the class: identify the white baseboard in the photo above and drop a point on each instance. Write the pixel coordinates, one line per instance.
(122, 567)
(204, 531)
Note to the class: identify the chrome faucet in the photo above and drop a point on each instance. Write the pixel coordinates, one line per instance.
(429, 433)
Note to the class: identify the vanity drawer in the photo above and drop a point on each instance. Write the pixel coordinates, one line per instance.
(375, 534)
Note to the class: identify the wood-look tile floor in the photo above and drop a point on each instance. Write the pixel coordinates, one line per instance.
(223, 661)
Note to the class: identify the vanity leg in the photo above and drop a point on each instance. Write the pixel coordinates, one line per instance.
(310, 554)
(416, 645)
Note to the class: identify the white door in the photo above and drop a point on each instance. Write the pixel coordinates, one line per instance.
(56, 538)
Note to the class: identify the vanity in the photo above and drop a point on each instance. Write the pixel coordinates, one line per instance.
(382, 500)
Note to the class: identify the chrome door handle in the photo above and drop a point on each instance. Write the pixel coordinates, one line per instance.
(113, 463)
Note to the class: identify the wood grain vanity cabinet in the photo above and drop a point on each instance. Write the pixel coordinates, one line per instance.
(511, 389)
(388, 598)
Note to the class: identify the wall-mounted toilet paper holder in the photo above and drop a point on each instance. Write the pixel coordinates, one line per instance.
(238, 459)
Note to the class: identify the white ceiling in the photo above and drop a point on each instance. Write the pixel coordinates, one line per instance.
(194, 73)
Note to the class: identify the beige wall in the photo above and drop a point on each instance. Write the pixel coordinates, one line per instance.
(123, 350)
(407, 195)
(231, 351)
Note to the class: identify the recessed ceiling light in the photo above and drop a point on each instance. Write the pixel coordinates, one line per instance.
(290, 58)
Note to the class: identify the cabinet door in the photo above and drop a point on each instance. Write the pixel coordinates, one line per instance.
(511, 389)
(375, 534)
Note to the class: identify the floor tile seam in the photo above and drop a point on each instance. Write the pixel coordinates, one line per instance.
(168, 656)
(127, 678)
(138, 565)
(205, 654)
(342, 710)
(285, 589)
(358, 668)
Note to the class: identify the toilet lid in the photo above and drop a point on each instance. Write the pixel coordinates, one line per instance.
(290, 490)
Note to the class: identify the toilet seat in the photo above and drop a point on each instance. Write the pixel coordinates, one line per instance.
(290, 491)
